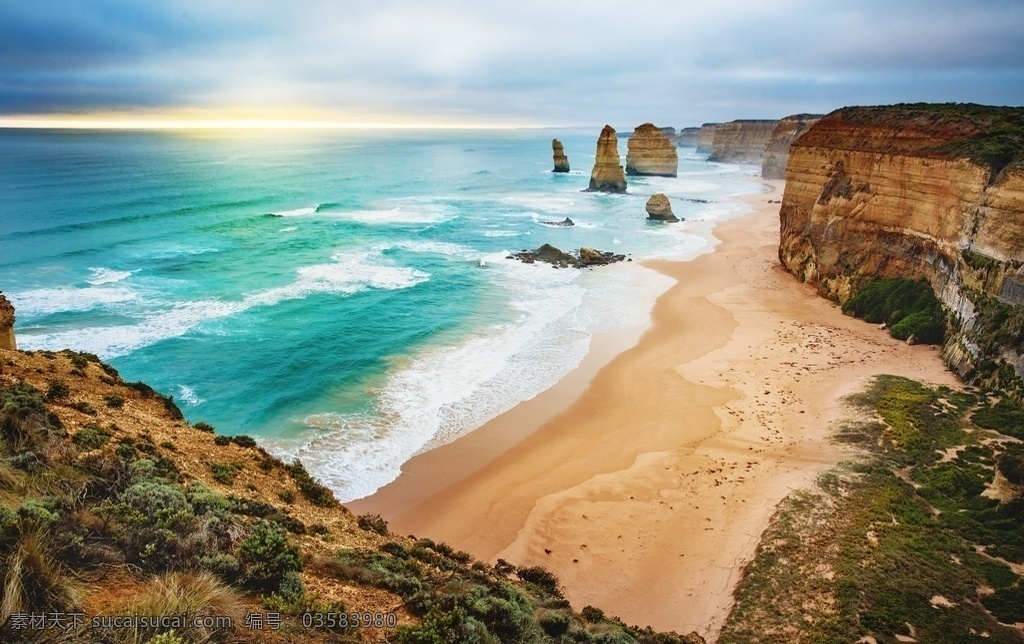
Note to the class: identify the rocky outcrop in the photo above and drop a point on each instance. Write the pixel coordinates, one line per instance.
(607, 175)
(919, 191)
(659, 208)
(670, 133)
(582, 258)
(565, 222)
(6, 324)
(687, 137)
(741, 141)
(651, 153)
(706, 137)
(561, 161)
(776, 150)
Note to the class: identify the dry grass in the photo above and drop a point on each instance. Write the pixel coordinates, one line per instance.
(183, 593)
(34, 580)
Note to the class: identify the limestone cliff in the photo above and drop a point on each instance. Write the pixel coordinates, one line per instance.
(776, 151)
(687, 137)
(650, 153)
(607, 175)
(741, 141)
(706, 137)
(561, 161)
(919, 191)
(6, 324)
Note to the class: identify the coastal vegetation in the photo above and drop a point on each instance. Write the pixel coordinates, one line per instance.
(922, 538)
(908, 307)
(124, 509)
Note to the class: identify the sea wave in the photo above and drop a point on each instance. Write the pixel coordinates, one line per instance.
(47, 301)
(348, 273)
(106, 276)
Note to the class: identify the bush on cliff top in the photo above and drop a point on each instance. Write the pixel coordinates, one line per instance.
(908, 307)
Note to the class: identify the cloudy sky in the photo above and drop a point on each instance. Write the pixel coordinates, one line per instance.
(529, 62)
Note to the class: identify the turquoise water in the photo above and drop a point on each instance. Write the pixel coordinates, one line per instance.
(342, 296)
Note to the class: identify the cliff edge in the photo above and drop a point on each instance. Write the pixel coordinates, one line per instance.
(6, 324)
(776, 150)
(932, 192)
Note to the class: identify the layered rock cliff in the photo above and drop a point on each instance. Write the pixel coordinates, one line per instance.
(561, 161)
(741, 141)
(607, 175)
(919, 191)
(650, 153)
(776, 150)
(687, 137)
(6, 324)
(706, 137)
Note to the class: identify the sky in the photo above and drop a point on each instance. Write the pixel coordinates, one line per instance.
(528, 63)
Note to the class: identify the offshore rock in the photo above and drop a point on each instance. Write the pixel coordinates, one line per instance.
(577, 259)
(561, 161)
(6, 324)
(741, 141)
(564, 222)
(918, 191)
(687, 137)
(776, 151)
(651, 153)
(706, 137)
(607, 175)
(659, 208)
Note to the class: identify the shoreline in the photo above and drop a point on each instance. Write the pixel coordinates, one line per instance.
(646, 486)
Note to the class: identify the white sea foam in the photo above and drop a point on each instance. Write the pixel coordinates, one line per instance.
(298, 212)
(107, 276)
(349, 272)
(288, 229)
(501, 233)
(46, 301)
(188, 395)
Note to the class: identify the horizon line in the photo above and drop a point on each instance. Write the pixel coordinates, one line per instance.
(86, 123)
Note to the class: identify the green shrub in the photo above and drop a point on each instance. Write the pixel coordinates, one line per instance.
(592, 614)
(1004, 417)
(244, 441)
(114, 401)
(373, 523)
(224, 473)
(1011, 465)
(58, 390)
(267, 557)
(204, 427)
(540, 577)
(1007, 604)
(314, 492)
(555, 624)
(221, 441)
(909, 308)
(90, 437)
(286, 496)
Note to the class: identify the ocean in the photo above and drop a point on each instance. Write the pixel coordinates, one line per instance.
(342, 296)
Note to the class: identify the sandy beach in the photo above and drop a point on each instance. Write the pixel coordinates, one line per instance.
(645, 483)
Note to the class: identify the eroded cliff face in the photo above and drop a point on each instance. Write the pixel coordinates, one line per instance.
(916, 192)
(650, 153)
(776, 150)
(6, 324)
(687, 137)
(607, 175)
(741, 141)
(706, 137)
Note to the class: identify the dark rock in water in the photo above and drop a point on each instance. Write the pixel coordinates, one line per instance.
(578, 259)
(659, 208)
(561, 161)
(564, 222)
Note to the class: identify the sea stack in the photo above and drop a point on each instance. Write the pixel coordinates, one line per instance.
(6, 325)
(561, 161)
(687, 137)
(607, 175)
(651, 153)
(659, 209)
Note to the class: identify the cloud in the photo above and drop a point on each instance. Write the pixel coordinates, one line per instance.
(528, 61)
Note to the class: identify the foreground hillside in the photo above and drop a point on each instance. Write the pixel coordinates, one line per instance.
(111, 506)
(922, 540)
